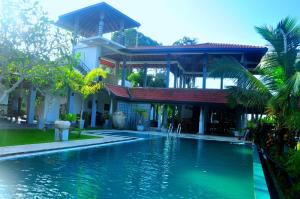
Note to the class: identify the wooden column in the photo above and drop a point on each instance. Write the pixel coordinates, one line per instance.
(204, 71)
(123, 72)
(145, 76)
(222, 82)
(180, 79)
(175, 77)
(168, 71)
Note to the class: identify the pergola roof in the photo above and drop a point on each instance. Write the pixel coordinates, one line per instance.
(190, 57)
(203, 47)
(169, 95)
(87, 20)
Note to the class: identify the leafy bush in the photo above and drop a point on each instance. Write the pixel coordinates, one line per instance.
(69, 117)
(293, 168)
(268, 120)
(293, 164)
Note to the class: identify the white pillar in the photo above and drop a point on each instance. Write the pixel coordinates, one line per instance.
(159, 121)
(168, 71)
(123, 72)
(93, 112)
(201, 121)
(31, 105)
(204, 73)
(111, 107)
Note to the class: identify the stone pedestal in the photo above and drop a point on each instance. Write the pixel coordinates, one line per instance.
(62, 130)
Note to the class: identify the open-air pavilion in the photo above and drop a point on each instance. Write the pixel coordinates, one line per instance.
(198, 104)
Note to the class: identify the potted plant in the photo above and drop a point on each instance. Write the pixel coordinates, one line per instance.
(142, 114)
(68, 117)
(107, 120)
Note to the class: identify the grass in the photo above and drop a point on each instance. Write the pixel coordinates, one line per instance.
(14, 137)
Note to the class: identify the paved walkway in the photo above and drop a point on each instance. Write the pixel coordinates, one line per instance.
(183, 135)
(33, 148)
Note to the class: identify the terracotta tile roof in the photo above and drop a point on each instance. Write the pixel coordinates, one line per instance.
(107, 63)
(118, 91)
(203, 46)
(170, 94)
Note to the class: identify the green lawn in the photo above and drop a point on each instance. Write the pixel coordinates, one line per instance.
(13, 137)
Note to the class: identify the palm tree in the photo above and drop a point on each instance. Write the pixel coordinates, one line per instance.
(275, 89)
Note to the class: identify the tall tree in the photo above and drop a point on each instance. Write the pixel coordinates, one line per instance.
(28, 40)
(134, 38)
(185, 41)
(153, 80)
(277, 88)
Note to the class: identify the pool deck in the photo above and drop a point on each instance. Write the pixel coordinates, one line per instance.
(35, 148)
(183, 135)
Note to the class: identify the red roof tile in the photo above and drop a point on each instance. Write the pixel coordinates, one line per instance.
(107, 63)
(171, 94)
(118, 91)
(202, 45)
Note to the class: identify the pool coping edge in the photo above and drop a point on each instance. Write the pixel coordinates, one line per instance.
(261, 190)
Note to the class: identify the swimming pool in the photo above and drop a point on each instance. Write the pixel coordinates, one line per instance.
(160, 167)
(128, 134)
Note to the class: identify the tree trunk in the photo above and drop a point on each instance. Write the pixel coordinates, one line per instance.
(15, 85)
(81, 114)
(280, 141)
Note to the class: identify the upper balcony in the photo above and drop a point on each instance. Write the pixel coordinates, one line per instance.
(185, 66)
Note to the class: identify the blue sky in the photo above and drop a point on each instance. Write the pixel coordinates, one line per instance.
(225, 21)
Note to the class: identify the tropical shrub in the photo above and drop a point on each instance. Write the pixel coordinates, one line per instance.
(69, 117)
(276, 89)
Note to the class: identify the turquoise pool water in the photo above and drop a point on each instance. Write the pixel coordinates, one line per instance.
(150, 168)
(129, 134)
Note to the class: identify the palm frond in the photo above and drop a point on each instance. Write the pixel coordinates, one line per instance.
(249, 98)
(292, 86)
(229, 67)
(285, 39)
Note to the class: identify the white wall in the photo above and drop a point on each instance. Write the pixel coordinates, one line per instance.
(88, 55)
(51, 106)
